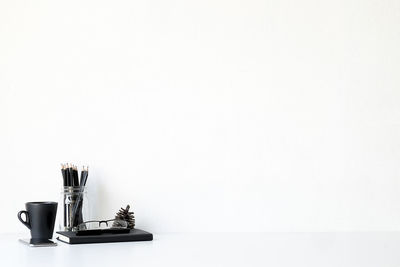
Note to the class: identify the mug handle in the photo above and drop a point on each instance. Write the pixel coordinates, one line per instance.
(26, 223)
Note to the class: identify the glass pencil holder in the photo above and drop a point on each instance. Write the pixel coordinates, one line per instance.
(74, 207)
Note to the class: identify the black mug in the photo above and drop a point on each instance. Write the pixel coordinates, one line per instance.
(40, 219)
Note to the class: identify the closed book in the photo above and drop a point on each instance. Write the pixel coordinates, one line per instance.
(133, 235)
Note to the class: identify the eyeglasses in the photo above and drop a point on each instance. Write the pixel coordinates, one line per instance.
(103, 225)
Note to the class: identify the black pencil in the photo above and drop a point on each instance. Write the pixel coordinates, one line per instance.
(78, 204)
(64, 174)
(75, 181)
(84, 176)
(69, 172)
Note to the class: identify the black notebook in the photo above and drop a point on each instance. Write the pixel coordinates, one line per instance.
(133, 235)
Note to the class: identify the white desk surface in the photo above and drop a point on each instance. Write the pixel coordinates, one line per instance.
(364, 249)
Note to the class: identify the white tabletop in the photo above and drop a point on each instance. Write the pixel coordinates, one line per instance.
(216, 249)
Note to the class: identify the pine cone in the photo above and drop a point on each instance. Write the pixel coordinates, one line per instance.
(126, 215)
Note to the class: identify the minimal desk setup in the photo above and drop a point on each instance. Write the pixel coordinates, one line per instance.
(84, 241)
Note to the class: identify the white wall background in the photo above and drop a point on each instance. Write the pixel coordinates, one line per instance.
(212, 115)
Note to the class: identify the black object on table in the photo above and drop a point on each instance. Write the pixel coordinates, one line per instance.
(133, 235)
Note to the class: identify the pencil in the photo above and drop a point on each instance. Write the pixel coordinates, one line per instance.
(75, 181)
(64, 174)
(84, 176)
